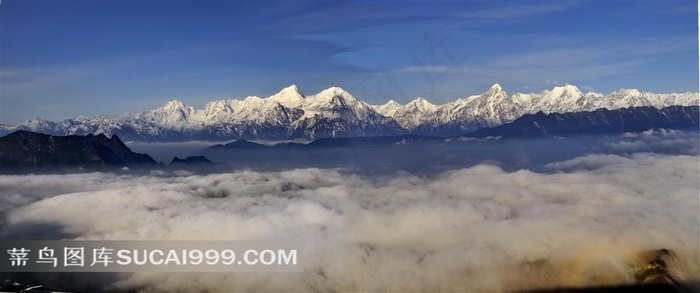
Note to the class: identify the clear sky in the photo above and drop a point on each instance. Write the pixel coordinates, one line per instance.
(60, 59)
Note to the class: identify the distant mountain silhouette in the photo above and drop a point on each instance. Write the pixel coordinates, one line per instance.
(325, 143)
(199, 160)
(29, 149)
(601, 121)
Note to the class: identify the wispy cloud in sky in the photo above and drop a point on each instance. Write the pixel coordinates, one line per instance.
(518, 9)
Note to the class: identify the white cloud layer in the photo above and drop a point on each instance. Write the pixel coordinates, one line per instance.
(474, 229)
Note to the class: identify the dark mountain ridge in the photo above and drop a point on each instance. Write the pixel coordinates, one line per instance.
(190, 160)
(29, 149)
(601, 121)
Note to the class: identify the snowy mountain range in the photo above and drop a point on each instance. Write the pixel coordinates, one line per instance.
(334, 112)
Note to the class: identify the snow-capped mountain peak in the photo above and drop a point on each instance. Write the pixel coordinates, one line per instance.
(172, 106)
(495, 94)
(629, 92)
(218, 107)
(566, 91)
(387, 109)
(289, 96)
(495, 88)
(332, 92)
(176, 108)
(36, 121)
(561, 99)
(414, 113)
(292, 88)
(252, 99)
(422, 105)
(173, 115)
(39, 125)
(391, 104)
(333, 99)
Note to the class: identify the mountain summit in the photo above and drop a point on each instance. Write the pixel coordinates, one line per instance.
(289, 96)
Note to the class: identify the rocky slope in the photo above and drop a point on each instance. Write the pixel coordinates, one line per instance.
(29, 149)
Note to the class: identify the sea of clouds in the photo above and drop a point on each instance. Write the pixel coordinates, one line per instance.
(583, 222)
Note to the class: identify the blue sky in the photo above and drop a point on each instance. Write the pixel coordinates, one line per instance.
(60, 59)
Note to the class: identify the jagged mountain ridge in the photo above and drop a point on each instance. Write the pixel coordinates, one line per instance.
(334, 112)
(29, 149)
(495, 107)
(600, 121)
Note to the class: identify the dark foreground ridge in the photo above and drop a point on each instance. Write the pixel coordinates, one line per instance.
(651, 272)
(198, 164)
(645, 288)
(29, 149)
(190, 160)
